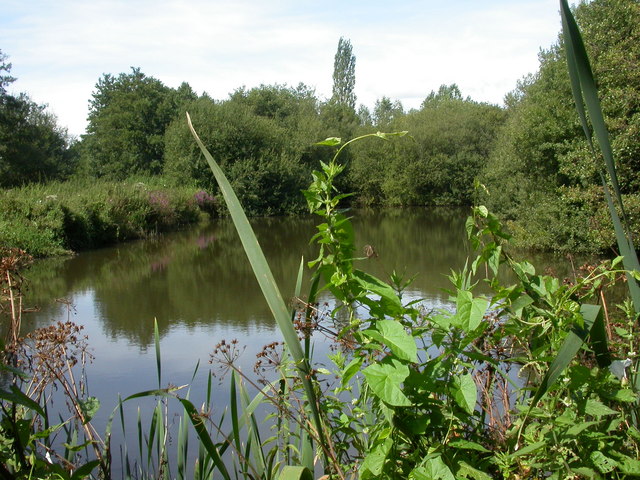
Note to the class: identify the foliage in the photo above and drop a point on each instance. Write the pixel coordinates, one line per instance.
(59, 217)
(6, 78)
(344, 75)
(451, 140)
(32, 146)
(446, 394)
(541, 152)
(263, 137)
(128, 116)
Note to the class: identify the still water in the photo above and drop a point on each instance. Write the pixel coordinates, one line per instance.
(199, 288)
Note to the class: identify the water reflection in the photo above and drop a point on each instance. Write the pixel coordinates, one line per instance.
(202, 278)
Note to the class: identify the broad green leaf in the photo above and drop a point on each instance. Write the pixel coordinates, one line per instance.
(470, 311)
(374, 461)
(18, 397)
(89, 408)
(585, 472)
(376, 286)
(630, 466)
(597, 409)
(467, 471)
(467, 445)
(393, 335)
(603, 463)
(351, 369)
(577, 429)
(624, 395)
(520, 303)
(436, 469)
(85, 470)
(385, 379)
(465, 392)
(528, 449)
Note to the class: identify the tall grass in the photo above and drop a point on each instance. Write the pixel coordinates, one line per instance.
(60, 217)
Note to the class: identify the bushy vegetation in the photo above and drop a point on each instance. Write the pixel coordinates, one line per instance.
(61, 217)
(541, 176)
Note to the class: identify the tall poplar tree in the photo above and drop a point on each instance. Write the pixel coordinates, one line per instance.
(344, 75)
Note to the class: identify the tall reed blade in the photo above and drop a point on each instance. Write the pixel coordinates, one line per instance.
(584, 91)
(266, 281)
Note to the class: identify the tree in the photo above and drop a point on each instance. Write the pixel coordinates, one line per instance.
(444, 93)
(5, 79)
(344, 75)
(32, 146)
(128, 116)
(541, 176)
(385, 111)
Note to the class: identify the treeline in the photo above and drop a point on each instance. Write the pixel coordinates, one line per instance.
(528, 160)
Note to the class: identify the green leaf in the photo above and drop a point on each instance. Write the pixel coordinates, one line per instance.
(467, 445)
(374, 461)
(89, 408)
(630, 466)
(603, 463)
(376, 286)
(351, 369)
(597, 409)
(467, 471)
(625, 395)
(331, 141)
(393, 335)
(465, 392)
(385, 379)
(470, 311)
(528, 449)
(435, 469)
(520, 303)
(18, 397)
(265, 279)
(85, 470)
(568, 350)
(579, 428)
(295, 473)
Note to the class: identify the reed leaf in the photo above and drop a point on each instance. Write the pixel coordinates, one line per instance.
(295, 473)
(584, 91)
(266, 281)
(593, 323)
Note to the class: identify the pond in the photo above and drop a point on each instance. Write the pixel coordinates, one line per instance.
(200, 289)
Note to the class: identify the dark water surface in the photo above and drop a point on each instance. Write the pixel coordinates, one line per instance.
(199, 287)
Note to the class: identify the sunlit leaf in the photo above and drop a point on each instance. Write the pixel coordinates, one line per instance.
(392, 334)
(385, 379)
(465, 392)
(331, 141)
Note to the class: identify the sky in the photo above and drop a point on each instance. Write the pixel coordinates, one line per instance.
(404, 50)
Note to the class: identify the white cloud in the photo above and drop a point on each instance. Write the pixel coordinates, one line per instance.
(60, 49)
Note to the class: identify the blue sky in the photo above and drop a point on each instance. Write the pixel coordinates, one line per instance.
(59, 49)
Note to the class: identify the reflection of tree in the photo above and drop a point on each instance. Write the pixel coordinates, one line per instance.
(203, 277)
